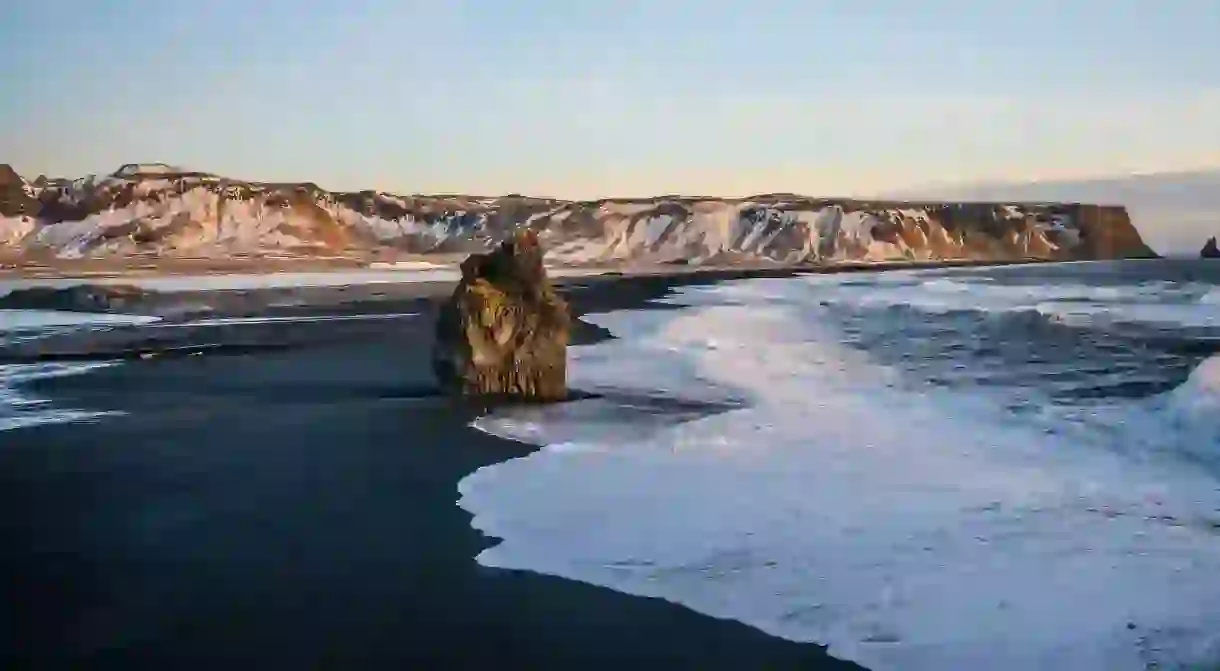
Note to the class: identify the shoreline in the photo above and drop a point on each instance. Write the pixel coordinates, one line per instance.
(179, 307)
(112, 269)
(298, 508)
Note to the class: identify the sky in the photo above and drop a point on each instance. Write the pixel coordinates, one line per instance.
(599, 98)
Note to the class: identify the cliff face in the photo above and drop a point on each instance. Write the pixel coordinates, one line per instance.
(158, 209)
(16, 196)
(1106, 232)
(17, 206)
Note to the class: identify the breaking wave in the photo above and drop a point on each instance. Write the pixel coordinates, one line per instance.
(853, 503)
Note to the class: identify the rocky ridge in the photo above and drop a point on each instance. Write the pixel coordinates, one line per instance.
(165, 211)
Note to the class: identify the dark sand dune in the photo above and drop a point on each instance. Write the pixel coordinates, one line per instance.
(294, 509)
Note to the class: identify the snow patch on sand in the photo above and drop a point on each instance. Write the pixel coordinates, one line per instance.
(240, 281)
(25, 320)
(300, 319)
(408, 265)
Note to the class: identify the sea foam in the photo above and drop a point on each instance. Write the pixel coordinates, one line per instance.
(904, 526)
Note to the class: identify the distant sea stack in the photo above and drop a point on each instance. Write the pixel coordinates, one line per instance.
(1210, 251)
(161, 210)
(504, 331)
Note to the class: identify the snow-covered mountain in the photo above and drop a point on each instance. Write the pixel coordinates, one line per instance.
(168, 211)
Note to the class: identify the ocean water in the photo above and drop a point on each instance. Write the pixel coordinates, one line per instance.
(1006, 468)
(18, 408)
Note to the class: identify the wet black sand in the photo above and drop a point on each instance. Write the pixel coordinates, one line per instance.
(295, 508)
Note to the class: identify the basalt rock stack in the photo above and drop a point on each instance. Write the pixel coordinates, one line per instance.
(1210, 250)
(504, 332)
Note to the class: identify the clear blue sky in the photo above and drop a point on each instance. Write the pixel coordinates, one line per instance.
(592, 98)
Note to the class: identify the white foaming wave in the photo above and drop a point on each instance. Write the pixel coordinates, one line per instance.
(987, 289)
(988, 293)
(904, 530)
(1203, 385)
(1168, 315)
(1185, 420)
(18, 409)
(1212, 297)
(1155, 303)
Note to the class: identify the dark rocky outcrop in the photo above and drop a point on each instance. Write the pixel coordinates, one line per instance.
(1106, 232)
(16, 199)
(79, 298)
(504, 331)
(1210, 251)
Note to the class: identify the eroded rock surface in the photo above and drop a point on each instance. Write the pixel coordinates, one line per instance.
(504, 331)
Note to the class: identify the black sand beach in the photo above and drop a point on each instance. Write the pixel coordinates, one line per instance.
(295, 508)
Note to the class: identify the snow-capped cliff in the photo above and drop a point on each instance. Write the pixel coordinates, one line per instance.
(164, 210)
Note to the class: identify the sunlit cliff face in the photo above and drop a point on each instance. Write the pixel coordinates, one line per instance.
(160, 209)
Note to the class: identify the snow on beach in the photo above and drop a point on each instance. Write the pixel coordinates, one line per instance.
(243, 281)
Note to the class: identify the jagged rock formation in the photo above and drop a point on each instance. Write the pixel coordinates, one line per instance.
(18, 207)
(156, 209)
(1210, 251)
(504, 331)
(16, 196)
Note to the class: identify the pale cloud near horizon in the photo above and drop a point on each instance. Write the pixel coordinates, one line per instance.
(596, 135)
(753, 142)
(612, 99)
